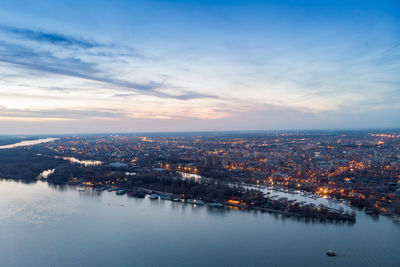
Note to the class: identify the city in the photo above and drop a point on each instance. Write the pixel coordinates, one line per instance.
(356, 168)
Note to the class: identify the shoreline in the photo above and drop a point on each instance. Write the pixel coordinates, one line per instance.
(334, 216)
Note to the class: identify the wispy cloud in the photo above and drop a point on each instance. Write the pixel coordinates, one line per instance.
(49, 37)
(62, 114)
(83, 62)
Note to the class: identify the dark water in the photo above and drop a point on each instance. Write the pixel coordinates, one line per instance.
(42, 225)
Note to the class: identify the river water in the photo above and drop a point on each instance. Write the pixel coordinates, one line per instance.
(29, 143)
(44, 225)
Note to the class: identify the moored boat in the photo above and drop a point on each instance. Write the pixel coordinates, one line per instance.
(165, 197)
(153, 196)
(195, 201)
(120, 192)
(216, 205)
(99, 189)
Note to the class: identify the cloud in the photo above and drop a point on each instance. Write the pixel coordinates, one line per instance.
(62, 114)
(69, 66)
(77, 69)
(48, 37)
(42, 60)
(188, 95)
(82, 63)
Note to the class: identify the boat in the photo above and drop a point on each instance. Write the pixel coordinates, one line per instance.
(140, 194)
(196, 201)
(120, 192)
(216, 205)
(331, 253)
(175, 199)
(200, 202)
(99, 189)
(154, 196)
(165, 197)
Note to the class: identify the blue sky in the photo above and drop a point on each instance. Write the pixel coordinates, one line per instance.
(129, 66)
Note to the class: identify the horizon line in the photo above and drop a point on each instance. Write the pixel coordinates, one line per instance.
(210, 131)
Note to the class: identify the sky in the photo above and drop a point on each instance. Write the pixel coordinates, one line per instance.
(140, 66)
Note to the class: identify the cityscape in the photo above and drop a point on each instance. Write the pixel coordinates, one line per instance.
(357, 168)
(199, 133)
(332, 178)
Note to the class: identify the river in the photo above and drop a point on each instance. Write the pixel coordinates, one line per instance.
(29, 143)
(45, 225)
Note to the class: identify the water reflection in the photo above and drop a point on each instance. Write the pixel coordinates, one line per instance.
(59, 187)
(67, 221)
(29, 143)
(30, 203)
(90, 192)
(44, 174)
(17, 181)
(85, 163)
(190, 176)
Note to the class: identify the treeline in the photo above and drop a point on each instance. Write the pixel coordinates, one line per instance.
(166, 182)
(191, 189)
(25, 164)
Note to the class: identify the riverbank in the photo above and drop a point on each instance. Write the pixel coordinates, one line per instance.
(235, 197)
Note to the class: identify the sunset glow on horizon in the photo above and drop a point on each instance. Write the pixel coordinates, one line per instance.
(132, 66)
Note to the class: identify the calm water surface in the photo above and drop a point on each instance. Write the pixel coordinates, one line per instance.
(41, 225)
(29, 143)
